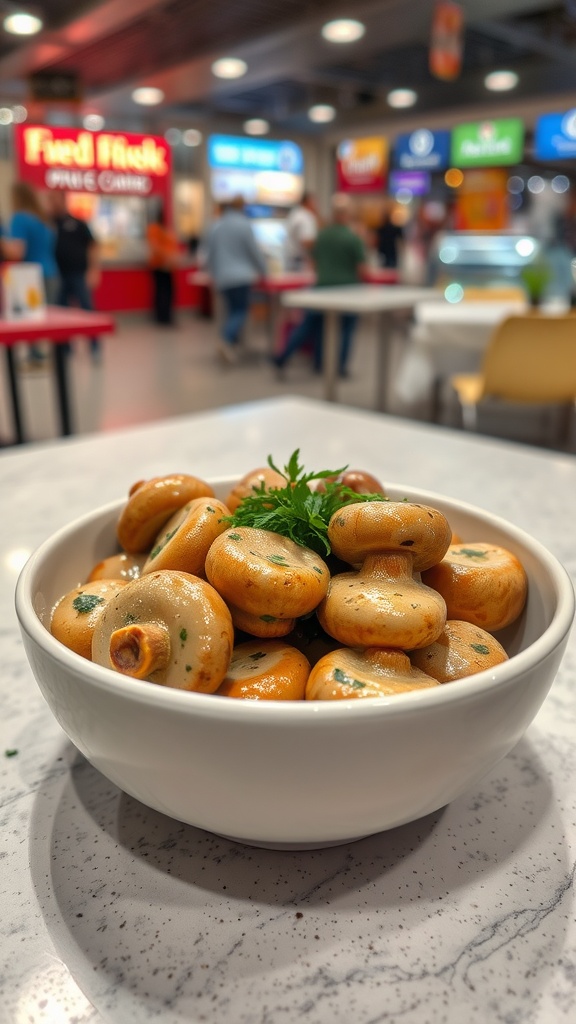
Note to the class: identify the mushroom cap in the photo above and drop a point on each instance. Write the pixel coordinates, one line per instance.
(150, 505)
(122, 566)
(357, 480)
(366, 528)
(481, 583)
(75, 616)
(184, 540)
(265, 573)
(252, 481)
(461, 650)
(375, 672)
(260, 625)
(382, 609)
(197, 621)
(266, 670)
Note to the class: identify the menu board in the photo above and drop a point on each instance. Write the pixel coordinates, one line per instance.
(488, 143)
(362, 164)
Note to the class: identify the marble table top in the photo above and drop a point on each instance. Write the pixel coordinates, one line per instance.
(359, 298)
(115, 914)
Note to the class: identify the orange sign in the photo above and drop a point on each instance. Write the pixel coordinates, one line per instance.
(362, 164)
(81, 161)
(447, 42)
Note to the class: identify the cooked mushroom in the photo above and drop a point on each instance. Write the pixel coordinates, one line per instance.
(118, 567)
(75, 616)
(150, 505)
(184, 541)
(266, 575)
(266, 670)
(481, 583)
(253, 481)
(170, 628)
(382, 604)
(461, 650)
(357, 480)
(375, 672)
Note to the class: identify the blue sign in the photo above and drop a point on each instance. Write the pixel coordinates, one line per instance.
(241, 153)
(422, 150)
(555, 136)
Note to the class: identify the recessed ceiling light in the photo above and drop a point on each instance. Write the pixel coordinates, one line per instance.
(192, 137)
(402, 98)
(321, 113)
(93, 122)
(343, 30)
(20, 23)
(148, 96)
(256, 126)
(173, 136)
(229, 67)
(6, 115)
(19, 113)
(501, 81)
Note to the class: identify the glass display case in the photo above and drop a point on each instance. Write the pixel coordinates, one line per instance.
(482, 259)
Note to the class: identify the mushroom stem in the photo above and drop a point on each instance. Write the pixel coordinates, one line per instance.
(140, 650)
(389, 565)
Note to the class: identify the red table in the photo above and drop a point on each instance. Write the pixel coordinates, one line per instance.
(58, 325)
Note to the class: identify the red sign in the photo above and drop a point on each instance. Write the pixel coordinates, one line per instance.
(75, 160)
(361, 165)
(447, 40)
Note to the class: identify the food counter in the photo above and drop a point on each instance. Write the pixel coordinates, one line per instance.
(114, 913)
(127, 287)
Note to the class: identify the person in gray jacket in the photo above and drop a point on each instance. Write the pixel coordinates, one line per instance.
(235, 262)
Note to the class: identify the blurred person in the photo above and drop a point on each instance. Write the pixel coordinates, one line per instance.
(389, 239)
(30, 238)
(234, 261)
(301, 230)
(77, 258)
(163, 254)
(339, 257)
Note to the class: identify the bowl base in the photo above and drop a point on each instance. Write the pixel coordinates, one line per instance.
(321, 844)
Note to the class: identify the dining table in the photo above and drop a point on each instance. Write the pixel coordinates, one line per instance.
(56, 325)
(388, 302)
(113, 913)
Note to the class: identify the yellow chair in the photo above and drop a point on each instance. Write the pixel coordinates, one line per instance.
(529, 360)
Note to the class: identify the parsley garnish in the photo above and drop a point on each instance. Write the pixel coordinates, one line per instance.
(480, 648)
(183, 635)
(471, 553)
(296, 511)
(85, 603)
(341, 677)
(257, 655)
(10, 753)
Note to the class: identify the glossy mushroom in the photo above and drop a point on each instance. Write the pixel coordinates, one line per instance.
(266, 576)
(382, 604)
(150, 505)
(75, 616)
(170, 628)
(375, 672)
(481, 583)
(184, 541)
(253, 481)
(358, 480)
(122, 566)
(266, 670)
(461, 650)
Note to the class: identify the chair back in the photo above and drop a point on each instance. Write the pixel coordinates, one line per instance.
(532, 359)
(494, 293)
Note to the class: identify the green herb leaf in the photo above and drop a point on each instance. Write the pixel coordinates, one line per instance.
(471, 553)
(10, 753)
(480, 648)
(85, 603)
(342, 677)
(183, 635)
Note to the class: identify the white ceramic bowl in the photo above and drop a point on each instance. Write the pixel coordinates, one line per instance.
(298, 774)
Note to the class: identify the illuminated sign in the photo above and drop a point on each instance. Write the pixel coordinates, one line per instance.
(240, 153)
(416, 182)
(112, 163)
(555, 136)
(422, 150)
(488, 143)
(361, 164)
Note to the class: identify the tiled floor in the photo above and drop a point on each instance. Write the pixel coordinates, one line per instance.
(148, 373)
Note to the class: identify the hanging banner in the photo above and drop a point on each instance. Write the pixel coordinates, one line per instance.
(446, 41)
(361, 165)
(488, 143)
(422, 150)
(555, 136)
(109, 163)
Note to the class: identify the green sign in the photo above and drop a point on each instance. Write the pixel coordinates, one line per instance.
(488, 143)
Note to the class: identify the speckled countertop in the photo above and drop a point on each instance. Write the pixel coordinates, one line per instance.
(113, 913)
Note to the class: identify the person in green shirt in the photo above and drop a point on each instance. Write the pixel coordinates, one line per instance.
(338, 256)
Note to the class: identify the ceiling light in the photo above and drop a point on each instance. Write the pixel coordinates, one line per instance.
(192, 137)
(560, 183)
(93, 122)
(536, 184)
(173, 136)
(256, 126)
(321, 113)
(20, 23)
(148, 96)
(501, 81)
(19, 113)
(229, 67)
(400, 98)
(6, 115)
(343, 30)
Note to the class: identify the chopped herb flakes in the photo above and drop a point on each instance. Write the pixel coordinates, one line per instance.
(130, 619)
(480, 648)
(471, 553)
(159, 547)
(183, 635)
(341, 677)
(10, 753)
(85, 603)
(257, 656)
(210, 509)
(233, 536)
(277, 559)
(188, 668)
(268, 618)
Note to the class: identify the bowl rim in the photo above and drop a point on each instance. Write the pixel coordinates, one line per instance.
(228, 708)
